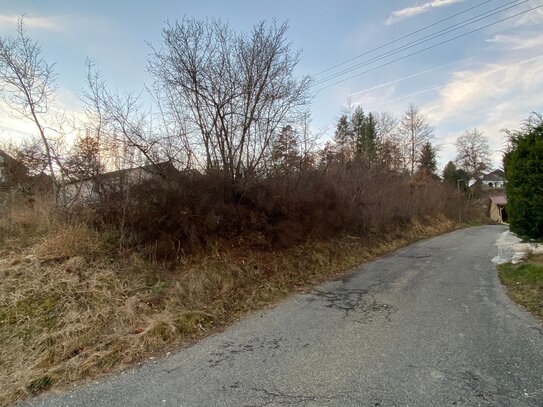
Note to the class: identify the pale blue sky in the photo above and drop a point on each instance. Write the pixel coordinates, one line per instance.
(490, 79)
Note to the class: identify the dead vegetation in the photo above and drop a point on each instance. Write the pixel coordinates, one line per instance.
(75, 305)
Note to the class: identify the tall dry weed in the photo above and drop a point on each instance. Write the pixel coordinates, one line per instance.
(24, 220)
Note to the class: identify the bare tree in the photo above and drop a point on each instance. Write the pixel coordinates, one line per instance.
(387, 127)
(415, 132)
(120, 123)
(27, 84)
(234, 91)
(309, 141)
(175, 144)
(389, 142)
(473, 153)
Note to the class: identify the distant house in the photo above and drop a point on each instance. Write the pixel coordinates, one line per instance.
(498, 212)
(12, 172)
(90, 188)
(494, 179)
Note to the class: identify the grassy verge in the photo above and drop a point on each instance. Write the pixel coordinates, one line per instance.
(524, 283)
(70, 313)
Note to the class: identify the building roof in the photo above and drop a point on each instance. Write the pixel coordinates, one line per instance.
(6, 157)
(12, 171)
(155, 169)
(499, 199)
(496, 175)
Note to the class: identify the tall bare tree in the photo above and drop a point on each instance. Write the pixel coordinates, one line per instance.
(120, 123)
(389, 152)
(473, 153)
(387, 127)
(415, 132)
(27, 84)
(234, 91)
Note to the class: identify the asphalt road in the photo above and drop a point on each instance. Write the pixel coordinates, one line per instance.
(429, 325)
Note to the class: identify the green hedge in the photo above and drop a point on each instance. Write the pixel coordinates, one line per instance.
(524, 175)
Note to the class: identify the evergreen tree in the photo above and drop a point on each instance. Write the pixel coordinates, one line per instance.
(344, 134)
(455, 176)
(449, 172)
(524, 187)
(285, 152)
(358, 122)
(366, 138)
(356, 133)
(428, 159)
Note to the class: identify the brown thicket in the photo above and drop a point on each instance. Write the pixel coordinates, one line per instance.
(188, 211)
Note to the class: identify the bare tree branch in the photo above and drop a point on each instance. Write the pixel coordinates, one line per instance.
(27, 85)
(232, 91)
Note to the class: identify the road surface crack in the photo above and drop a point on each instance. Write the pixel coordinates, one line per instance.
(358, 303)
(229, 350)
(277, 397)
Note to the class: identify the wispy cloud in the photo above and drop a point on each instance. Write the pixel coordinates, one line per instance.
(469, 91)
(533, 18)
(373, 98)
(408, 12)
(491, 98)
(13, 129)
(518, 42)
(64, 109)
(54, 23)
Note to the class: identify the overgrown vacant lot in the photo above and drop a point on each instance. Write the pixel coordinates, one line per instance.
(524, 283)
(75, 307)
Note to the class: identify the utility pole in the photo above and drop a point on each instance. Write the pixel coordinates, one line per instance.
(458, 181)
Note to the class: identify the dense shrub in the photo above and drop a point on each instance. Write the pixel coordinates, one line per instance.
(524, 175)
(190, 211)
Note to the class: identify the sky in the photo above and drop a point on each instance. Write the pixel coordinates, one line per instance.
(490, 79)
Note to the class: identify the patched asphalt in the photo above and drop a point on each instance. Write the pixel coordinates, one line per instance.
(429, 325)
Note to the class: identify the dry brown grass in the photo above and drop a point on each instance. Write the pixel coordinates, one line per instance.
(69, 312)
(23, 222)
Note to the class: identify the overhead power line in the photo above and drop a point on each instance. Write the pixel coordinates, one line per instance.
(424, 39)
(403, 37)
(382, 85)
(429, 47)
